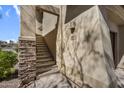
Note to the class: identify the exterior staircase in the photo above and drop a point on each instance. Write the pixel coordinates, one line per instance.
(44, 59)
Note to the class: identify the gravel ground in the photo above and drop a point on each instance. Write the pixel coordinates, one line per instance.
(13, 83)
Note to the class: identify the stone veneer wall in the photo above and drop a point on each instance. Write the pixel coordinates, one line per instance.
(27, 61)
(84, 55)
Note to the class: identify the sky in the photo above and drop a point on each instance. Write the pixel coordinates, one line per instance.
(9, 22)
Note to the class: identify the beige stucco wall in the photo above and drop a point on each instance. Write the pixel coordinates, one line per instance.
(50, 31)
(38, 25)
(49, 23)
(85, 56)
(50, 39)
(27, 21)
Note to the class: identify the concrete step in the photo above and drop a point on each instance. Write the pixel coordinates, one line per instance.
(44, 60)
(42, 50)
(39, 36)
(40, 40)
(41, 45)
(54, 69)
(43, 56)
(43, 69)
(45, 64)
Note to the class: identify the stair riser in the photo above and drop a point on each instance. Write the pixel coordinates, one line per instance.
(44, 56)
(45, 65)
(40, 43)
(43, 60)
(42, 52)
(39, 40)
(40, 71)
(42, 48)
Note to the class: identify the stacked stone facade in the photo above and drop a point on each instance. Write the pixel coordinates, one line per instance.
(27, 61)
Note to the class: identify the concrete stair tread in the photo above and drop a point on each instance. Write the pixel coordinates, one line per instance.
(41, 45)
(39, 39)
(39, 36)
(42, 52)
(43, 69)
(43, 56)
(42, 48)
(45, 59)
(54, 69)
(45, 64)
(40, 42)
(45, 50)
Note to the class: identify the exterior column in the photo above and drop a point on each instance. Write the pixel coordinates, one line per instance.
(27, 46)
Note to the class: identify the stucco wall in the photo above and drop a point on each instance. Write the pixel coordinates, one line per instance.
(50, 39)
(27, 21)
(85, 56)
(50, 31)
(121, 41)
(49, 23)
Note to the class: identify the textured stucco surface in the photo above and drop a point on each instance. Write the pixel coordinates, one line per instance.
(49, 23)
(85, 56)
(120, 73)
(28, 24)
